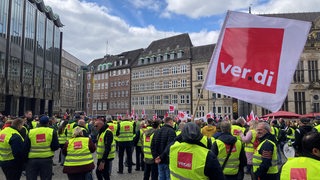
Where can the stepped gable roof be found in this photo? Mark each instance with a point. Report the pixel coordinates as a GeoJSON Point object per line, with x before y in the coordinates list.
{"type": "Point", "coordinates": [303, 16]}
{"type": "Point", "coordinates": [202, 53]}
{"type": "Point", "coordinates": [171, 43]}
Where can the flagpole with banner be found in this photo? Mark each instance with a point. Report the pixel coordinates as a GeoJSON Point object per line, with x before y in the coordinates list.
{"type": "Point", "coordinates": [249, 65]}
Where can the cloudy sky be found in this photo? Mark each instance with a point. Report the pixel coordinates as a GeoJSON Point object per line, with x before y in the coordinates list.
{"type": "Point", "coordinates": [94, 28]}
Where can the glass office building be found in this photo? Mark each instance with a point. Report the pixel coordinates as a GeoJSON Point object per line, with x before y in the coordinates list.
{"type": "Point", "coordinates": [30, 57]}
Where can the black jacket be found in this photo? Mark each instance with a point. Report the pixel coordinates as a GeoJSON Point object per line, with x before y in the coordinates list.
{"type": "Point", "coordinates": [299, 133]}
{"type": "Point", "coordinates": [161, 138]}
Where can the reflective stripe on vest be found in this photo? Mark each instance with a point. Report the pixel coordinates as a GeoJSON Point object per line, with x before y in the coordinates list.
{"type": "Point", "coordinates": [257, 159]}
{"type": "Point", "coordinates": [147, 146]}
{"type": "Point", "coordinates": [78, 152]}
{"type": "Point", "coordinates": [300, 168]}
{"type": "Point", "coordinates": [292, 135]}
{"type": "Point", "coordinates": [249, 146]}
{"type": "Point", "coordinates": [40, 139]}
{"type": "Point", "coordinates": [5, 147]}
{"type": "Point", "coordinates": [187, 161]}
{"type": "Point", "coordinates": [101, 146]}
{"type": "Point", "coordinates": [126, 131]}
{"type": "Point", "coordinates": [232, 165]}
{"type": "Point", "coordinates": [62, 138]}
{"type": "Point", "coordinates": [142, 131]}
{"type": "Point", "coordinates": [317, 128]}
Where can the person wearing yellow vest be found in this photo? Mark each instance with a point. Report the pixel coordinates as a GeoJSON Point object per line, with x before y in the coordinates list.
{"type": "Point", "coordinates": [40, 145]}
{"type": "Point", "coordinates": [249, 139]}
{"type": "Point", "coordinates": [138, 139]}
{"type": "Point", "coordinates": [306, 166]}
{"type": "Point", "coordinates": [238, 127]}
{"type": "Point", "coordinates": [304, 128]}
{"type": "Point", "coordinates": [30, 122]}
{"type": "Point", "coordinates": [190, 159]}
{"type": "Point", "coordinates": [11, 150]}
{"type": "Point", "coordinates": [228, 144]}
{"type": "Point", "coordinates": [265, 156]}
{"type": "Point", "coordinates": [62, 138]}
{"type": "Point", "coordinates": [125, 134]}
{"type": "Point", "coordinates": [82, 124]}
{"type": "Point", "coordinates": [72, 123]}
{"type": "Point", "coordinates": [149, 165]}
{"type": "Point", "coordinates": [316, 127]}
{"type": "Point", "coordinates": [106, 148]}
{"type": "Point", "coordinates": [79, 160]}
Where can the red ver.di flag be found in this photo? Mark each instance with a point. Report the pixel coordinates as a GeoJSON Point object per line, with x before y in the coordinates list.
{"type": "Point", "coordinates": [255, 58]}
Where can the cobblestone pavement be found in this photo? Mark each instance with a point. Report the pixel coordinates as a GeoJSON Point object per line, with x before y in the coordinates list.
{"type": "Point", "coordinates": [135, 175]}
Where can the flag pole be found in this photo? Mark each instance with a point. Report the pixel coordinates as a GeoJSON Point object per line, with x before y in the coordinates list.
{"type": "Point", "coordinates": [211, 61]}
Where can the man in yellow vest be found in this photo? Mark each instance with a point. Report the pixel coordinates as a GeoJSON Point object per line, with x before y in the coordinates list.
{"type": "Point", "coordinates": [190, 159]}
{"type": "Point", "coordinates": [230, 152]}
{"type": "Point", "coordinates": [265, 156]}
{"type": "Point", "coordinates": [238, 127]}
{"type": "Point", "coordinates": [125, 134]}
{"type": "Point", "coordinates": [106, 148]}
{"type": "Point", "coordinates": [40, 146]}
{"type": "Point", "coordinates": [11, 150]}
{"type": "Point", "coordinates": [306, 166]}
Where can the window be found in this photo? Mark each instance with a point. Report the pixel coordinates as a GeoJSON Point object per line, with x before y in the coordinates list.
{"type": "Point", "coordinates": [180, 53]}
{"type": "Point", "coordinates": [200, 112]}
{"type": "Point", "coordinates": [174, 99]}
{"type": "Point", "coordinates": [313, 71]}
{"type": "Point", "coordinates": [165, 99]}
{"type": "Point", "coordinates": [165, 71]}
{"type": "Point", "coordinates": [174, 70]}
{"type": "Point", "coordinates": [316, 107]}
{"type": "Point", "coordinates": [300, 102]}
{"type": "Point", "coordinates": [187, 99]}
{"type": "Point", "coordinates": [156, 72]}
{"type": "Point", "coordinates": [126, 61]}
{"type": "Point", "coordinates": [199, 94]}
{"type": "Point", "coordinates": [165, 84]}
{"type": "Point", "coordinates": [141, 102]}
{"type": "Point", "coordinates": [183, 68]}
{"type": "Point", "coordinates": [219, 109]}
{"type": "Point", "coordinates": [182, 99]}
{"type": "Point", "coordinates": [299, 73]}
{"type": "Point", "coordinates": [285, 105]}
{"type": "Point", "coordinates": [183, 83]}
{"type": "Point", "coordinates": [174, 83]}
{"type": "Point", "coordinates": [172, 55]}
{"type": "Point", "coordinates": [199, 75]}
{"type": "Point", "coordinates": [157, 99]}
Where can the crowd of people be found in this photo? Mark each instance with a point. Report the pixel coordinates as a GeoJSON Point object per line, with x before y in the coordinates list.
{"type": "Point", "coordinates": [164, 149]}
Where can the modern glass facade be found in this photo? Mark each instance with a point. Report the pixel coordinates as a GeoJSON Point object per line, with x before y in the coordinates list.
{"type": "Point", "coordinates": [30, 57]}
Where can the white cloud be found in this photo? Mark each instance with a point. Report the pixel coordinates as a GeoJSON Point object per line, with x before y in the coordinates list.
{"type": "Point", "coordinates": [148, 4]}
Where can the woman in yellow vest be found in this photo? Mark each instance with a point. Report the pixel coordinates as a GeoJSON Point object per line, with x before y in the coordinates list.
{"type": "Point", "coordinates": [79, 161]}
{"type": "Point", "coordinates": [306, 166]}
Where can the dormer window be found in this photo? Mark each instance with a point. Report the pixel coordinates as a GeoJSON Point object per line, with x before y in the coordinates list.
{"type": "Point", "coordinates": [166, 56]}
{"type": "Point", "coordinates": [115, 63]}
{"type": "Point", "coordinates": [120, 63]}
{"type": "Point", "coordinates": [159, 57]}
{"type": "Point", "coordinates": [172, 54]}
{"type": "Point", "coordinates": [180, 53]}
{"type": "Point", "coordinates": [126, 61]}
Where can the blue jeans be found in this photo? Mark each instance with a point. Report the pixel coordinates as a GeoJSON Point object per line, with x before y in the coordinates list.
{"type": "Point", "coordinates": [164, 172]}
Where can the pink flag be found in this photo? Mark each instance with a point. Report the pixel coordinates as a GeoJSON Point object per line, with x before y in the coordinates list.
{"type": "Point", "coordinates": [166, 115]}
{"type": "Point", "coordinates": [251, 117]}
{"type": "Point", "coordinates": [249, 65]}
{"type": "Point", "coordinates": [155, 116]}
{"type": "Point", "coordinates": [247, 118]}
{"type": "Point", "coordinates": [143, 113]}
{"type": "Point", "coordinates": [171, 108]}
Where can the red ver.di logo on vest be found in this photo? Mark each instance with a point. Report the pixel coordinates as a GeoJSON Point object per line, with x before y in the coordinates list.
{"type": "Point", "coordinates": [234, 149]}
{"type": "Point", "coordinates": [298, 173]}
{"type": "Point", "coordinates": [127, 128]}
{"type": "Point", "coordinates": [40, 138]}
{"type": "Point", "coordinates": [184, 160]}
{"type": "Point", "coordinates": [77, 145]}
{"type": "Point", "coordinates": [2, 137]}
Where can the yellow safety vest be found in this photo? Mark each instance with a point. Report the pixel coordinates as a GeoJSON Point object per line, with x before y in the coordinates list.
{"type": "Point", "coordinates": [257, 159]}
{"type": "Point", "coordinates": [34, 124]}
{"type": "Point", "coordinates": [204, 141]}
{"type": "Point", "coordinates": [78, 152]}
{"type": "Point", "coordinates": [292, 135]}
{"type": "Point", "coordinates": [62, 138]}
{"type": "Point", "coordinates": [187, 161]}
{"type": "Point", "coordinates": [101, 146]}
{"type": "Point", "coordinates": [147, 146]}
{"type": "Point", "coordinates": [317, 128]}
{"type": "Point", "coordinates": [232, 165]}
{"type": "Point", "coordinates": [126, 131]}
{"type": "Point", "coordinates": [69, 130]}
{"type": "Point", "coordinates": [142, 131]}
{"type": "Point", "coordinates": [249, 146]}
{"type": "Point", "coordinates": [40, 139]}
{"type": "Point", "coordinates": [235, 131]}
{"type": "Point", "coordinates": [5, 147]}
{"type": "Point", "coordinates": [301, 168]}
{"type": "Point", "coordinates": [113, 128]}
{"type": "Point", "coordinates": [275, 132]}
{"type": "Point", "coordinates": [178, 132]}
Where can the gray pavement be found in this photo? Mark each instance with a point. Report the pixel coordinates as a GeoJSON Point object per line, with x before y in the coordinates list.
{"type": "Point", "coordinates": [135, 175]}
